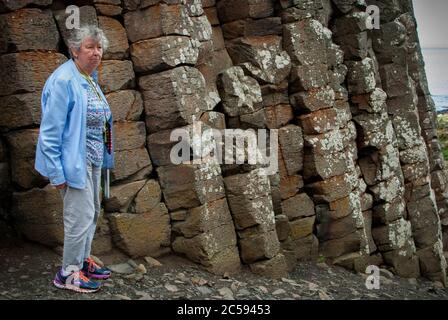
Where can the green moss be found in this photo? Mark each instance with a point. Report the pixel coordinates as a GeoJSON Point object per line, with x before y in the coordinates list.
{"type": "Point", "coordinates": [442, 132]}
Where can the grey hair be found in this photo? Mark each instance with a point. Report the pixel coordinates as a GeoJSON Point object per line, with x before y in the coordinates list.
{"type": "Point", "coordinates": [88, 31]}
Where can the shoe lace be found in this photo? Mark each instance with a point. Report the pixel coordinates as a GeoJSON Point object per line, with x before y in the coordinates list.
{"type": "Point", "coordinates": [92, 265]}
{"type": "Point", "coordinates": [81, 276]}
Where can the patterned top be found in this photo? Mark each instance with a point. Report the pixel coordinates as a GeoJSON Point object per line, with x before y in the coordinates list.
{"type": "Point", "coordinates": [97, 111]}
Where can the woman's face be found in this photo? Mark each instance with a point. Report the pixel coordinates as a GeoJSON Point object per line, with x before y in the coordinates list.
{"type": "Point", "coordinates": [89, 55]}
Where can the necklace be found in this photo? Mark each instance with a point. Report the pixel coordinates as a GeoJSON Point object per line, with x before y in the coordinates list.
{"type": "Point", "coordinates": [107, 134]}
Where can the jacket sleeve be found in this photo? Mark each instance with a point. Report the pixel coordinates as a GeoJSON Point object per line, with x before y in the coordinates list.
{"type": "Point", "coordinates": [55, 106]}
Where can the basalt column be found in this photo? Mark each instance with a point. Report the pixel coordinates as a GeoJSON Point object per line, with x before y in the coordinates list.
{"type": "Point", "coordinates": [317, 93]}
{"type": "Point", "coordinates": [169, 39]}
{"type": "Point", "coordinates": [390, 44]}
{"type": "Point", "coordinates": [377, 144]}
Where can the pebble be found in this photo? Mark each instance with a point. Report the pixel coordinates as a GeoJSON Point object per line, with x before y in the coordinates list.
{"type": "Point", "coordinates": [204, 290]}
{"type": "Point", "coordinates": [121, 297]}
{"type": "Point", "coordinates": [171, 288]}
{"type": "Point", "coordinates": [226, 293]}
{"type": "Point", "coordinates": [243, 292]}
{"type": "Point", "coordinates": [141, 269]}
{"type": "Point", "coordinates": [278, 291]}
{"type": "Point", "coordinates": [122, 268]}
{"type": "Point", "coordinates": [152, 262]}
{"type": "Point", "coordinates": [386, 273]}
{"type": "Point", "coordinates": [263, 289]}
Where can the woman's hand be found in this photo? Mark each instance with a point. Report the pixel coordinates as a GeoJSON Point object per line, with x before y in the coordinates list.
{"type": "Point", "coordinates": [61, 186]}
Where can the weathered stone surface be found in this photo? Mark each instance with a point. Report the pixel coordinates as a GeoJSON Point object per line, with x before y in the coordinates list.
{"type": "Point", "coordinates": [259, 247]}
{"type": "Point", "coordinates": [389, 212]}
{"type": "Point", "coordinates": [130, 162]}
{"type": "Point", "coordinates": [432, 262]}
{"type": "Point", "coordinates": [298, 206]}
{"type": "Point", "coordinates": [14, 5]}
{"type": "Point", "coordinates": [214, 119]}
{"type": "Point", "coordinates": [307, 77]}
{"type": "Point", "coordinates": [108, 10]}
{"type": "Point", "coordinates": [27, 71]}
{"type": "Point", "coordinates": [20, 110]}
{"type": "Point", "coordinates": [250, 28]}
{"type": "Point", "coordinates": [336, 229]}
{"type": "Point", "coordinates": [122, 195]}
{"type": "Point", "coordinates": [291, 146]}
{"type": "Point", "coordinates": [301, 228]}
{"type": "Point", "coordinates": [129, 135]}
{"type": "Point", "coordinates": [148, 197]}
{"type": "Point", "coordinates": [305, 249]}
{"type": "Point", "coordinates": [239, 93]}
{"type": "Point", "coordinates": [216, 249]}
{"type": "Point", "coordinates": [116, 75]}
{"type": "Point", "coordinates": [343, 207]}
{"type": "Point", "coordinates": [116, 34]}
{"type": "Point", "coordinates": [338, 247]}
{"type": "Point", "coordinates": [335, 188]}
{"type": "Point", "coordinates": [38, 215]}
{"type": "Point", "coordinates": [278, 116]}
{"type": "Point", "coordinates": [282, 227]}
{"type": "Point", "coordinates": [230, 10]}
{"type": "Point", "coordinates": [306, 42]}
{"type": "Point", "coordinates": [332, 141]}
{"type": "Point", "coordinates": [87, 16]}
{"type": "Point", "coordinates": [393, 236]}
{"type": "Point", "coordinates": [126, 105]}
{"type": "Point", "coordinates": [156, 21]}
{"type": "Point", "coordinates": [141, 234]}
{"type": "Point", "coordinates": [261, 57]}
{"type": "Point", "coordinates": [210, 69]}
{"type": "Point", "coordinates": [290, 185]}
{"type": "Point", "coordinates": [319, 121]}
{"type": "Point", "coordinates": [329, 165]}
{"type": "Point", "coordinates": [28, 29]}
{"type": "Point", "coordinates": [201, 30]}
{"type": "Point", "coordinates": [189, 186]}
{"type": "Point", "coordinates": [361, 77]}
{"type": "Point", "coordinates": [204, 218]}
{"type": "Point", "coordinates": [313, 100]}
{"type": "Point", "coordinates": [163, 53]}
{"type": "Point", "coordinates": [275, 267]}
{"type": "Point", "coordinates": [177, 100]}
{"type": "Point", "coordinates": [22, 146]}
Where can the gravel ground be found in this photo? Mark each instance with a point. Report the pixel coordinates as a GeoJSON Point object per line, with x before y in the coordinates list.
{"type": "Point", "coordinates": [28, 270]}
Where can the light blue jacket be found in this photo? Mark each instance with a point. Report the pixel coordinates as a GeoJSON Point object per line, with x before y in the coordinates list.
{"type": "Point", "coordinates": [61, 147]}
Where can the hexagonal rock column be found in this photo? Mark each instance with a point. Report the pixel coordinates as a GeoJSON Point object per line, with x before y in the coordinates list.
{"type": "Point", "coordinates": [203, 229]}
{"type": "Point", "coordinates": [391, 49]}
{"type": "Point", "coordinates": [174, 38]}
{"type": "Point", "coordinates": [252, 38]}
{"type": "Point", "coordinates": [379, 159]}
{"type": "Point", "coordinates": [26, 33]}
{"type": "Point", "coordinates": [330, 171]}
{"type": "Point", "coordinates": [428, 121]}
{"type": "Point", "coordinates": [251, 207]}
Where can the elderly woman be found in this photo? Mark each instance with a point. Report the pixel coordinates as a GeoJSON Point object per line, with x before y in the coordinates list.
{"type": "Point", "coordinates": [75, 142]}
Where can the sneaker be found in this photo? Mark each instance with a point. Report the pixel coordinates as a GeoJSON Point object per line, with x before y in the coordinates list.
{"type": "Point", "coordinates": [95, 271]}
{"type": "Point", "coordinates": [77, 281]}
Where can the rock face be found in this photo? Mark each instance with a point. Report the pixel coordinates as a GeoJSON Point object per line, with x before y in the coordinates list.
{"type": "Point", "coordinates": [351, 125]}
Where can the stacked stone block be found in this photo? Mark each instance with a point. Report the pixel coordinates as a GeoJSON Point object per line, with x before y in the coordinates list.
{"type": "Point", "coordinates": [390, 44]}
{"type": "Point", "coordinates": [360, 176]}
{"type": "Point", "coordinates": [330, 172]}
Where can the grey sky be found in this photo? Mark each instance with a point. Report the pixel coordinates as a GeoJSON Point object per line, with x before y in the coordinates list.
{"type": "Point", "coordinates": [432, 22]}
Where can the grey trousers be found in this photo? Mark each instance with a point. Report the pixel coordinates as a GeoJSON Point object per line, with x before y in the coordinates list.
{"type": "Point", "coordinates": [81, 212]}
